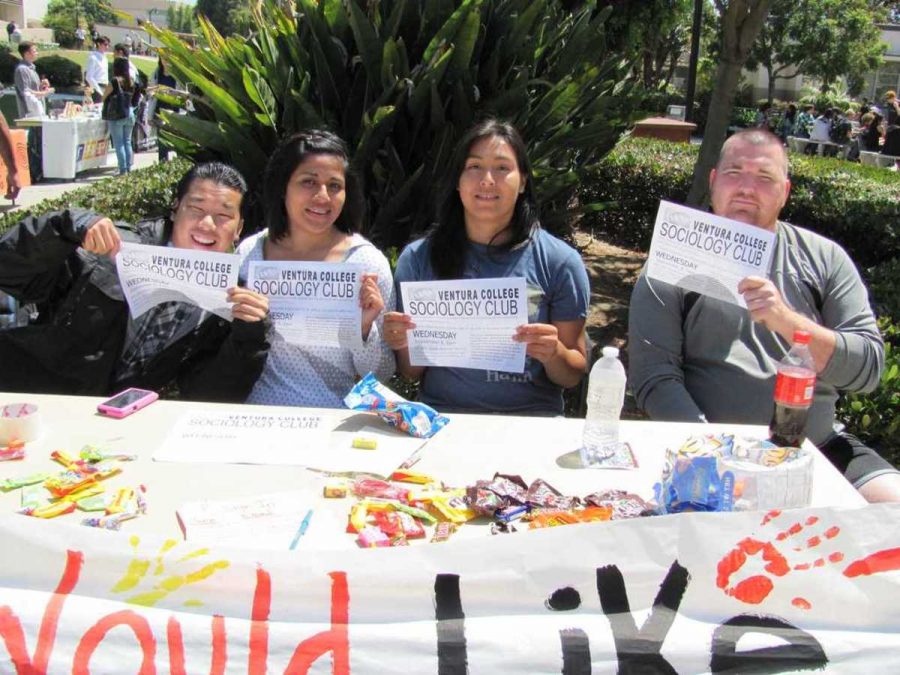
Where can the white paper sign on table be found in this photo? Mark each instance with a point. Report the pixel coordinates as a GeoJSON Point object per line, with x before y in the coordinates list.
{"type": "Point", "coordinates": [467, 323]}
{"type": "Point", "coordinates": [249, 437]}
{"type": "Point", "coordinates": [270, 521]}
{"type": "Point", "coordinates": [705, 253]}
{"type": "Point", "coordinates": [151, 275]}
{"type": "Point", "coordinates": [311, 303]}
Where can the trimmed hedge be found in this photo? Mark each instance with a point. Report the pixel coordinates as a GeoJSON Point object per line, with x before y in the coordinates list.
{"type": "Point", "coordinates": [856, 205]}
{"type": "Point", "coordinates": [873, 417]}
{"type": "Point", "coordinates": [60, 71]}
{"type": "Point", "coordinates": [140, 194]}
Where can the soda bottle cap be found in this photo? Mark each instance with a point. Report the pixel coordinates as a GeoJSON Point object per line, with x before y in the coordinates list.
{"type": "Point", "coordinates": [802, 337]}
{"type": "Point", "coordinates": [612, 352]}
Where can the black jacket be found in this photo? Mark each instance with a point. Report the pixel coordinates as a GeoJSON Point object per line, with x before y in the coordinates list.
{"type": "Point", "coordinates": [75, 345]}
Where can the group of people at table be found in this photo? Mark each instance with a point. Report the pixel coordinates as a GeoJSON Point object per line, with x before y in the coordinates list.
{"type": "Point", "coordinates": [692, 358]}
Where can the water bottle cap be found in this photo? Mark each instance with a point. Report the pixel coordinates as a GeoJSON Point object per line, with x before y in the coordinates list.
{"type": "Point", "coordinates": [802, 337]}
{"type": "Point", "coordinates": [612, 352]}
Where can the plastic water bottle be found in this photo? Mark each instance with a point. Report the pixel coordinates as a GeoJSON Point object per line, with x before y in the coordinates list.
{"type": "Point", "coordinates": [794, 389]}
{"type": "Point", "coordinates": [606, 394]}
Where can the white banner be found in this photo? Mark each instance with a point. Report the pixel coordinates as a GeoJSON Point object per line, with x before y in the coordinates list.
{"type": "Point", "coordinates": [312, 303]}
{"type": "Point", "coordinates": [802, 590]}
{"type": "Point", "coordinates": [466, 323]}
{"type": "Point", "coordinates": [151, 275]}
{"type": "Point", "coordinates": [707, 254]}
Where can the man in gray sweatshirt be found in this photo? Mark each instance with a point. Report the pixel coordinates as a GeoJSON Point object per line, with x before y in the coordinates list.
{"type": "Point", "coordinates": [694, 358]}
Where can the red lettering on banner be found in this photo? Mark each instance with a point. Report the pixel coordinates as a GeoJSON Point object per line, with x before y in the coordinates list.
{"type": "Point", "coordinates": [220, 646]}
{"type": "Point", "coordinates": [96, 633]}
{"type": "Point", "coordinates": [259, 624]}
{"type": "Point", "coordinates": [335, 640]}
{"type": "Point", "coordinates": [175, 641]}
{"type": "Point", "coordinates": [11, 628]}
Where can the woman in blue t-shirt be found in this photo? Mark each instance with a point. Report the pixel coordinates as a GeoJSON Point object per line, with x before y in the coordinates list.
{"type": "Point", "coordinates": [488, 227]}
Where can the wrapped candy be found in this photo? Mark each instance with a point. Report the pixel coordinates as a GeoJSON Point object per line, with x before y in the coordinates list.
{"type": "Point", "coordinates": [416, 419]}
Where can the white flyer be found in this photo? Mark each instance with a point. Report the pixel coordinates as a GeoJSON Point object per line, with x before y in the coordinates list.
{"type": "Point", "coordinates": [467, 323]}
{"type": "Point", "coordinates": [151, 275]}
{"type": "Point", "coordinates": [253, 436]}
{"type": "Point", "coordinates": [702, 252]}
{"type": "Point", "coordinates": [311, 303]}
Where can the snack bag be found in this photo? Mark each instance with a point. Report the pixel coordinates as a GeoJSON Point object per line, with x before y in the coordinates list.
{"type": "Point", "coordinates": [416, 419]}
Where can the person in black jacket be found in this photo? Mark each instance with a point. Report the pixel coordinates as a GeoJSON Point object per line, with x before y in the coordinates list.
{"type": "Point", "coordinates": [84, 340]}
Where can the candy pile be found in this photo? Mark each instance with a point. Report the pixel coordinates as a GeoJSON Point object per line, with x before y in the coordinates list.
{"type": "Point", "coordinates": [391, 513]}
{"type": "Point", "coordinates": [79, 486]}
{"type": "Point", "coordinates": [724, 473]}
{"type": "Point", "coordinates": [14, 450]}
{"type": "Point", "coordinates": [416, 419]}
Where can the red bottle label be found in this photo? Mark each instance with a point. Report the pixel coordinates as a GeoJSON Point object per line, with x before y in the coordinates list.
{"type": "Point", "coordinates": [792, 390]}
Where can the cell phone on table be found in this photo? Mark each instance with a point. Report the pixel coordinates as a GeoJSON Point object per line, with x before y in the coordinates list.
{"type": "Point", "coordinates": [126, 402]}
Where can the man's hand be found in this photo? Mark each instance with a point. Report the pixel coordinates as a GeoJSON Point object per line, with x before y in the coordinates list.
{"type": "Point", "coordinates": [541, 340]}
{"type": "Point", "coordinates": [248, 305]}
{"type": "Point", "coordinates": [371, 302]}
{"type": "Point", "coordinates": [766, 306]}
{"type": "Point", "coordinates": [102, 238]}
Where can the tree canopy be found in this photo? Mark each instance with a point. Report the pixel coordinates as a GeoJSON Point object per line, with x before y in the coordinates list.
{"type": "Point", "coordinates": [230, 17]}
{"type": "Point", "coordinates": [65, 13]}
{"type": "Point", "coordinates": [825, 39]}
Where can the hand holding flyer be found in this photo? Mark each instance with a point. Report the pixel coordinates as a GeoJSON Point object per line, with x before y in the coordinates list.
{"type": "Point", "coordinates": [312, 303]}
{"type": "Point", "coordinates": [705, 253]}
{"type": "Point", "coordinates": [151, 275]}
{"type": "Point", "coordinates": [466, 323]}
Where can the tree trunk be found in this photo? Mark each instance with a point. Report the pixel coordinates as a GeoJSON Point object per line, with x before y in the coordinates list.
{"type": "Point", "coordinates": [741, 22]}
{"type": "Point", "coordinates": [771, 73]}
{"type": "Point", "coordinates": [727, 77]}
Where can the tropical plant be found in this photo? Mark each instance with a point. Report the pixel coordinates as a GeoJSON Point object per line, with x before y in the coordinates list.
{"type": "Point", "coordinates": [400, 81]}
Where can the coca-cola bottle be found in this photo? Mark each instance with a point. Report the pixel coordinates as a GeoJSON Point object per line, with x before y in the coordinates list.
{"type": "Point", "coordinates": [794, 389]}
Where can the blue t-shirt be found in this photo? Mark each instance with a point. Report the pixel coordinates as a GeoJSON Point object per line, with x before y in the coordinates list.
{"type": "Point", "coordinates": [558, 290]}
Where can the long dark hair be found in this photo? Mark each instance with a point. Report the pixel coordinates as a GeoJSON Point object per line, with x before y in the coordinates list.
{"type": "Point", "coordinates": [287, 157]}
{"type": "Point", "coordinates": [122, 72]}
{"type": "Point", "coordinates": [448, 235]}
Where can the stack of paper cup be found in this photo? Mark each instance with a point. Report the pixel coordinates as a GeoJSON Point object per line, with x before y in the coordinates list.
{"type": "Point", "coordinates": [19, 422]}
{"type": "Point", "coordinates": [764, 485]}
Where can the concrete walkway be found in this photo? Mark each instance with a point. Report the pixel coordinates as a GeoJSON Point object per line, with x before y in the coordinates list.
{"type": "Point", "coordinates": [50, 189]}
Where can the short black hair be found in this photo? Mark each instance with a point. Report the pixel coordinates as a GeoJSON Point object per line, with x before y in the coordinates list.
{"type": "Point", "coordinates": [101, 40]}
{"type": "Point", "coordinates": [121, 47]}
{"type": "Point", "coordinates": [218, 172]}
{"type": "Point", "coordinates": [448, 235]}
{"type": "Point", "coordinates": [292, 152]}
{"type": "Point", "coordinates": [24, 47]}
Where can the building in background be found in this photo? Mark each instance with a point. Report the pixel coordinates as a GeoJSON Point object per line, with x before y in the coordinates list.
{"type": "Point", "coordinates": [24, 13]}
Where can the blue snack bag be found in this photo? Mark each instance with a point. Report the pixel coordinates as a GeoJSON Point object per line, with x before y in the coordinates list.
{"type": "Point", "coordinates": [416, 419]}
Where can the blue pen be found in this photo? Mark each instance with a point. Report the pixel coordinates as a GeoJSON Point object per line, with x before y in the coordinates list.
{"type": "Point", "coordinates": [301, 530]}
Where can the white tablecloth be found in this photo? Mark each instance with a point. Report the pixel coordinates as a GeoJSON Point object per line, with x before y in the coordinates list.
{"type": "Point", "coordinates": [73, 145]}
{"type": "Point", "coordinates": [471, 447]}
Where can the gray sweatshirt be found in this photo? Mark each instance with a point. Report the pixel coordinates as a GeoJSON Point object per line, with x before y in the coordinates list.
{"type": "Point", "coordinates": [692, 355]}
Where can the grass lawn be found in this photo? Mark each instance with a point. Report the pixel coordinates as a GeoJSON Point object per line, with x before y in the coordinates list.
{"type": "Point", "coordinates": [146, 64]}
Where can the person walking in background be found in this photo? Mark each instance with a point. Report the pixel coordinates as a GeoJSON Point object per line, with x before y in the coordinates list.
{"type": "Point", "coordinates": [79, 38]}
{"type": "Point", "coordinates": [787, 123]}
{"type": "Point", "coordinates": [804, 122]}
{"type": "Point", "coordinates": [119, 101]}
{"type": "Point", "coordinates": [870, 135]}
{"type": "Point", "coordinates": [96, 72]}
{"type": "Point", "coordinates": [161, 78]}
{"type": "Point", "coordinates": [891, 125]}
{"type": "Point", "coordinates": [10, 29]}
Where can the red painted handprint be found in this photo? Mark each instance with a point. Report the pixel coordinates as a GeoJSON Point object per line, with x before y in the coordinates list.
{"type": "Point", "coordinates": [800, 540]}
